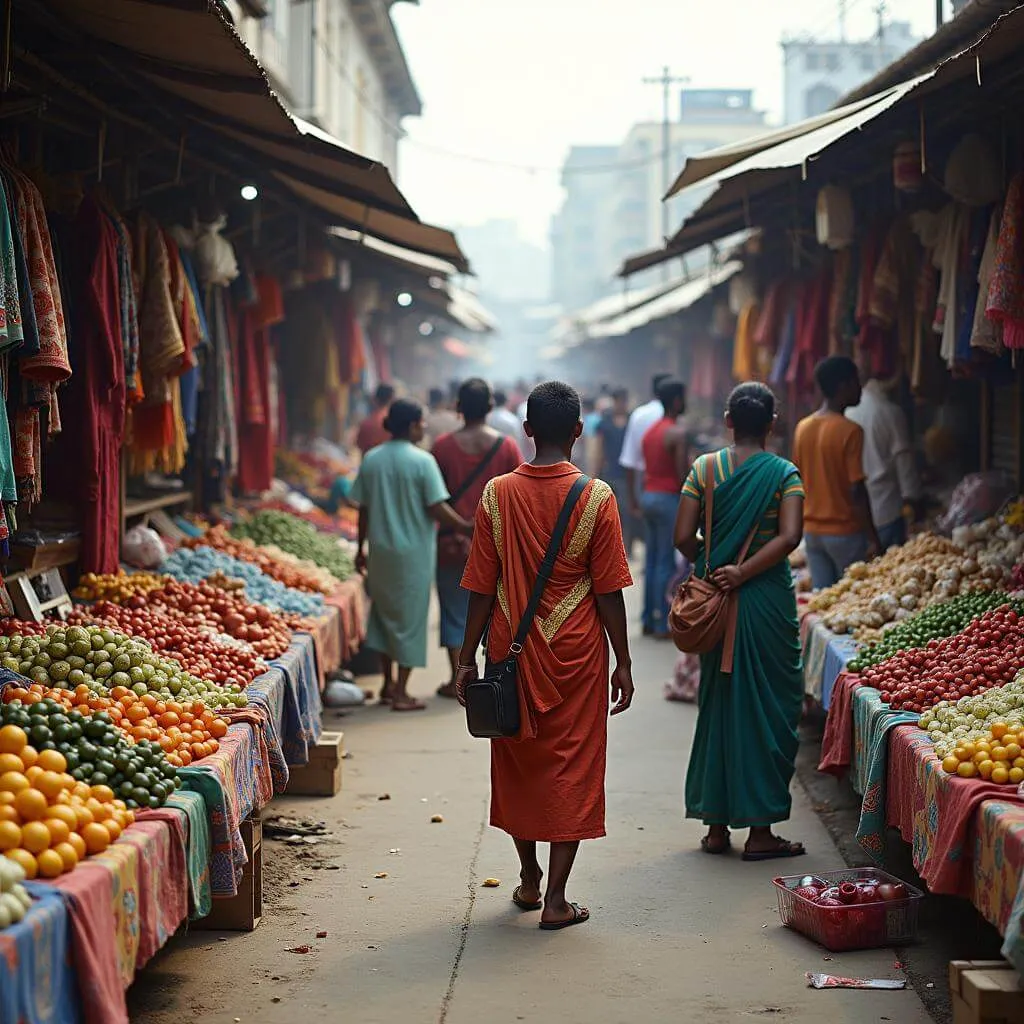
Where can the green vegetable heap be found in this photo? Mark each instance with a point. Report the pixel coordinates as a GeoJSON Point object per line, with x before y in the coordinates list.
{"type": "Point", "coordinates": [298, 538]}
{"type": "Point", "coordinates": [936, 621]}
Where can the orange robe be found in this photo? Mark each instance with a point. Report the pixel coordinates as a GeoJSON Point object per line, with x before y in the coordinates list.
{"type": "Point", "coordinates": [547, 784]}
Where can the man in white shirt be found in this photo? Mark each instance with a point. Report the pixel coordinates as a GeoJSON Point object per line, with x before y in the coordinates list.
{"type": "Point", "coordinates": [641, 419]}
{"type": "Point", "coordinates": [889, 465]}
{"type": "Point", "coordinates": [504, 420]}
{"type": "Point", "coordinates": [526, 446]}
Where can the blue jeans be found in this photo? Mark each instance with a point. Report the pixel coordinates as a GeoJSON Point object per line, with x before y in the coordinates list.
{"type": "Point", "coordinates": [893, 534]}
{"type": "Point", "coordinates": [659, 522]}
{"type": "Point", "coordinates": [829, 556]}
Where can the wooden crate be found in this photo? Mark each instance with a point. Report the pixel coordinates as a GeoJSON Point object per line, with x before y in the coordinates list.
{"type": "Point", "coordinates": [242, 912]}
{"type": "Point", "coordinates": [985, 992]}
{"type": "Point", "coordinates": [322, 775]}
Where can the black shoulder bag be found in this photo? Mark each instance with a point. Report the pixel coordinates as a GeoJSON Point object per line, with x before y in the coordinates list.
{"type": "Point", "coordinates": [492, 703]}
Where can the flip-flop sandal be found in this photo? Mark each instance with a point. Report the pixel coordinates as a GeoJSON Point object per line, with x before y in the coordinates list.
{"type": "Point", "coordinates": [580, 915]}
{"type": "Point", "coordinates": [522, 904]}
{"type": "Point", "coordinates": [716, 851]}
{"type": "Point", "coordinates": [409, 705]}
{"type": "Point", "coordinates": [448, 690]}
{"type": "Point", "coordinates": [783, 851]}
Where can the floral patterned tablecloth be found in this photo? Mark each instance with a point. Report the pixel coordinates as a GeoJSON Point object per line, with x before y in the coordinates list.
{"type": "Point", "coordinates": [37, 981]}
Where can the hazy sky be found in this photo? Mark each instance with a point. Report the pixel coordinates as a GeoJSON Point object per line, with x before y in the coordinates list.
{"type": "Point", "coordinates": [519, 82]}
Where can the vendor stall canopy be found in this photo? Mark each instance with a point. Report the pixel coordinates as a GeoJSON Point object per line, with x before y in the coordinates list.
{"type": "Point", "coordinates": [768, 181]}
{"type": "Point", "coordinates": [181, 64]}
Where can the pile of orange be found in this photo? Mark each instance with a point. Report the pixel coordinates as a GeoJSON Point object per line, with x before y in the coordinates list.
{"type": "Point", "coordinates": [185, 731]}
{"type": "Point", "coordinates": [48, 821]}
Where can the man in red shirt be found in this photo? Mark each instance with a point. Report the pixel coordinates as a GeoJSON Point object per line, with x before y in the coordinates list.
{"type": "Point", "coordinates": [371, 430]}
{"type": "Point", "coordinates": [665, 468]}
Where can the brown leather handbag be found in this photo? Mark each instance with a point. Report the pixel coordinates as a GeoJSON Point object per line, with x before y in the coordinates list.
{"type": "Point", "coordinates": [702, 616]}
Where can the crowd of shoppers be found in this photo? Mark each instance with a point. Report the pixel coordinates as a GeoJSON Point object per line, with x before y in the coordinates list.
{"type": "Point", "coordinates": [474, 516]}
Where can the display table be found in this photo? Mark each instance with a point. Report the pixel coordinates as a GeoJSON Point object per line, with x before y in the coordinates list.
{"type": "Point", "coordinates": [966, 835]}
{"type": "Point", "coordinates": [352, 603]}
{"type": "Point", "coordinates": [825, 657]}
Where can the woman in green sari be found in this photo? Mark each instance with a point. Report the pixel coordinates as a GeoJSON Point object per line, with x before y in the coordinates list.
{"type": "Point", "coordinates": [745, 745]}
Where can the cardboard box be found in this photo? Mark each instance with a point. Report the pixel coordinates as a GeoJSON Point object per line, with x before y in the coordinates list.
{"type": "Point", "coordinates": [242, 912]}
{"type": "Point", "coordinates": [322, 775]}
{"type": "Point", "coordinates": [986, 992]}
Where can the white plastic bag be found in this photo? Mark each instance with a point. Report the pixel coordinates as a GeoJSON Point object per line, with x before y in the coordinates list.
{"type": "Point", "coordinates": [143, 548]}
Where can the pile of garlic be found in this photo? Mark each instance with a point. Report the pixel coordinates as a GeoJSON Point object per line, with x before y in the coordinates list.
{"type": "Point", "coordinates": [907, 579]}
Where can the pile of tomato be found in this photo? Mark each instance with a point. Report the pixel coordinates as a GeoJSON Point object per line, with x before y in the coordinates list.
{"type": "Point", "coordinates": [216, 659]}
{"type": "Point", "coordinates": [987, 653]}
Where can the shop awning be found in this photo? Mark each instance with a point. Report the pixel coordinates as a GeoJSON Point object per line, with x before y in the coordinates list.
{"type": "Point", "coordinates": [406, 259]}
{"type": "Point", "coordinates": [675, 301]}
{"type": "Point", "coordinates": [466, 309]}
{"type": "Point", "coordinates": [735, 187]}
{"type": "Point", "coordinates": [388, 227]}
{"type": "Point", "coordinates": [570, 329]}
{"type": "Point", "coordinates": [700, 168]}
{"type": "Point", "coordinates": [188, 48]}
{"type": "Point", "coordinates": [317, 158]}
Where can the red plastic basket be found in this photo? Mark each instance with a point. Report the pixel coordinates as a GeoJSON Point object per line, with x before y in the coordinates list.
{"type": "Point", "coordinates": [860, 926]}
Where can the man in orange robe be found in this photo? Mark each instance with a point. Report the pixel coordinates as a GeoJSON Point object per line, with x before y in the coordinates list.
{"type": "Point", "coordinates": [547, 784]}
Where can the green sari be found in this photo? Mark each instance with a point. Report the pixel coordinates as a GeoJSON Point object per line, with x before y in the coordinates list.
{"type": "Point", "coordinates": [745, 745]}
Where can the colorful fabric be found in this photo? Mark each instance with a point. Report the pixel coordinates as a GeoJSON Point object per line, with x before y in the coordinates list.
{"type": "Point", "coordinates": [547, 784]}
{"type": "Point", "coordinates": [37, 979]}
{"type": "Point", "coordinates": [191, 807]}
{"type": "Point", "coordinates": [1005, 300]}
{"type": "Point", "coordinates": [999, 874]}
{"type": "Point", "coordinates": [88, 893]}
{"type": "Point", "coordinates": [227, 851]}
{"type": "Point", "coordinates": [837, 743]}
{"type": "Point", "coordinates": [350, 600]}
{"type": "Point", "coordinates": [758, 704]}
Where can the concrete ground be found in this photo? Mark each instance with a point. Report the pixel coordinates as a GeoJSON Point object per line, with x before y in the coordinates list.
{"type": "Point", "coordinates": [675, 935]}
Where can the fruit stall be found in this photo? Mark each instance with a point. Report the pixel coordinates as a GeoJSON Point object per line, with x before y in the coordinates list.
{"type": "Point", "coordinates": [139, 739]}
{"type": "Point", "coordinates": [919, 658]}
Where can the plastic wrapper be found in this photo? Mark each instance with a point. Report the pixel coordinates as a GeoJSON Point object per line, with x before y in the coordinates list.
{"type": "Point", "coordinates": [143, 548]}
{"type": "Point", "coordinates": [977, 497]}
{"type": "Point", "coordinates": [834, 981]}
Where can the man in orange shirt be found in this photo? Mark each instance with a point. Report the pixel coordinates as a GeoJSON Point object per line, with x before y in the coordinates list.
{"type": "Point", "coordinates": [371, 430]}
{"type": "Point", "coordinates": [828, 451]}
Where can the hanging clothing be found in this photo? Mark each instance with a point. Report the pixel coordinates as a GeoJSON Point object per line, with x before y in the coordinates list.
{"type": "Point", "coordinates": [744, 359]}
{"type": "Point", "coordinates": [891, 301]}
{"type": "Point", "coordinates": [11, 326]}
{"type": "Point", "coordinates": [1005, 302]}
{"type": "Point", "coordinates": [547, 784]}
{"type": "Point", "coordinates": [968, 271]}
{"type": "Point", "coordinates": [96, 396]}
{"type": "Point", "coordinates": [987, 334]}
{"type": "Point", "coordinates": [758, 704]}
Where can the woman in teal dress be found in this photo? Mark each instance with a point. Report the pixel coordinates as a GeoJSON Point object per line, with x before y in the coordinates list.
{"type": "Point", "coordinates": [401, 495]}
{"type": "Point", "coordinates": [745, 746]}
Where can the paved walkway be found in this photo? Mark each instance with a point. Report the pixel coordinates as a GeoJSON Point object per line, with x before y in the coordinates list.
{"type": "Point", "coordinates": [676, 935]}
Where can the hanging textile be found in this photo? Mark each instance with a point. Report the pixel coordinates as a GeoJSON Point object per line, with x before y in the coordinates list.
{"type": "Point", "coordinates": [1005, 304]}
{"type": "Point", "coordinates": [743, 356]}
{"type": "Point", "coordinates": [987, 334]}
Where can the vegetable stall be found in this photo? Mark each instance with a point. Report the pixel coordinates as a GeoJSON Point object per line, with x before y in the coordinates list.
{"type": "Point", "coordinates": [919, 658]}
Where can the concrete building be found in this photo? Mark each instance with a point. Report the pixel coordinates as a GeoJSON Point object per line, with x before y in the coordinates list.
{"type": "Point", "coordinates": [338, 63]}
{"type": "Point", "coordinates": [816, 73]}
{"type": "Point", "coordinates": [708, 118]}
{"type": "Point", "coordinates": [582, 255]}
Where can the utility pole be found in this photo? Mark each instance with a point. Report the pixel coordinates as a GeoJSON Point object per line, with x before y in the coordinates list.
{"type": "Point", "coordinates": [666, 80]}
{"type": "Point", "coordinates": [938, 14]}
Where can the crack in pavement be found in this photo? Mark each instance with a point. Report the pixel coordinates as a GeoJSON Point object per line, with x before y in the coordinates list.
{"type": "Point", "coordinates": [446, 1001]}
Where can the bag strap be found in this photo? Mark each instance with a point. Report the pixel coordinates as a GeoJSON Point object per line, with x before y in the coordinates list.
{"type": "Point", "coordinates": [709, 504]}
{"type": "Point", "coordinates": [474, 474]}
{"type": "Point", "coordinates": [544, 573]}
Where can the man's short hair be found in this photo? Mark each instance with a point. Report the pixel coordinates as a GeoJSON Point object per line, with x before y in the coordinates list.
{"type": "Point", "coordinates": [385, 394]}
{"type": "Point", "coordinates": [475, 398]}
{"type": "Point", "coordinates": [657, 380]}
{"type": "Point", "coordinates": [833, 372]}
{"type": "Point", "coordinates": [553, 411]}
{"type": "Point", "coordinates": [435, 397]}
{"type": "Point", "coordinates": [500, 398]}
{"type": "Point", "coordinates": [671, 391]}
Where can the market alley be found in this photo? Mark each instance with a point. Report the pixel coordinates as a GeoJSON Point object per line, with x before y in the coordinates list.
{"type": "Point", "coordinates": [675, 936]}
